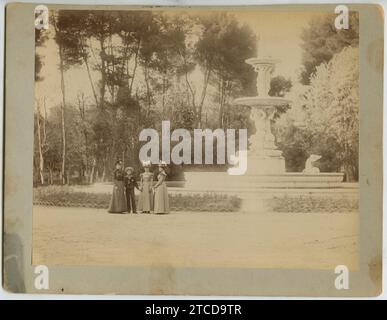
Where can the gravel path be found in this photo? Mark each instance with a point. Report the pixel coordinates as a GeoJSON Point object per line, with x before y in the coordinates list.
{"type": "Point", "coordinates": [82, 236]}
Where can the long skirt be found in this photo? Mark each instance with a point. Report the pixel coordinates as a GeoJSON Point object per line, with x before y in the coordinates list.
{"type": "Point", "coordinates": [145, 200]}
{"type": "Point", "coordinates": [118, 200]}
{"type": "Point", "coordinates": [161, 199]}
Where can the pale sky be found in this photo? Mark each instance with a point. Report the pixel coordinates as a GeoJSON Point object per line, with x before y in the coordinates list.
{"type": "Point", "coordinates": [279, 33]}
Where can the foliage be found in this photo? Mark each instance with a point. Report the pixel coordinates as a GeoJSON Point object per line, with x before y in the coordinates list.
{"type": "Point", "coordinates": [324, 118]}
{"type": "Point", "coordinates": [222, 51]}
{"type": "Point", "coordinates": [67, 197]}
{"type": "Point", "coordinates": [332, 110]}
{"type": "Point", "coordinates": [279, 87]}
{"type": "Point", "coordinates": [40, 38]}
{"type": "Point", "coordinates": [321, 40]}
{"type": "Point", "coordinates": [141, 66]}
{"type": "Point", "coordinates": [317, 204]}
{"type": "Point", "coordinates": [294, 143]}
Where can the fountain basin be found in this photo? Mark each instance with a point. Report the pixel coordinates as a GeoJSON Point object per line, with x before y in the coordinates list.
{"type": "Point", "coordinates": [262, 61]}
{"type": "Point", "coordinates": [222, 181]}
{"type": "Point", "coordinates": [261, 101]}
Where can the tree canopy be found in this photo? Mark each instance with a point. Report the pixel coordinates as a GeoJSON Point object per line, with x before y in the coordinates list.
{"type": "Point", "coordinates": [142, 67]}
{"type": "Point", "coordinates": [321, 40]}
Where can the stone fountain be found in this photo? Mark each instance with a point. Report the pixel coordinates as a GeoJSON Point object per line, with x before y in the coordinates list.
{"type": "Point", "coordinates": [265, 163]}
{"type": "Point", "coordinates": [263, 155]}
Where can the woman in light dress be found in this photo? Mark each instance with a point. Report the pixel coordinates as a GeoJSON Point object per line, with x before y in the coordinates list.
{"type": "Point", "coordinates": [161, 191]}
{"type": "Point", "coordinates": [145, 201]}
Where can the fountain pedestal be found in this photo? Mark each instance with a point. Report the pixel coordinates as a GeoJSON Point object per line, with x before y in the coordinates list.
{"type": "Point", "coordinates": [263, 155]}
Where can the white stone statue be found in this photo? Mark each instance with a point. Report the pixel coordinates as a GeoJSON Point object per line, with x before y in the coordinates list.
{"type": "Point", "coordinates": [309, 168]}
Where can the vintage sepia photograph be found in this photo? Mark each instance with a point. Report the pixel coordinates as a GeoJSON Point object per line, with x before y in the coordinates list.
{"type": "Point", "coordinates": [196, 138]}
{"type": "Point", "coordinates": [190, 151]}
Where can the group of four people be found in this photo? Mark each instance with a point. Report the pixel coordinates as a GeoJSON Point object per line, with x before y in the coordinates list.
{"type": "Point", "coordinates": [153, 198]}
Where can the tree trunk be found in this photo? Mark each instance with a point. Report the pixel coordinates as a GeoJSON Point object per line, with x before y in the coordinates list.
{"type": "Point", "coordinates": [134, 68]}
{"type": "Point", "coordinates": [62, 172]}
{"type": "Point", "coordinates": [51, 176]}
{"type": "Point", "coordinates": [221, 96]}
{"type": "Point", "coordinates": [112, 63]}
{"type": "Point", "coordinates": [203, 96]}
{"type": "Point", "coordinates": [163, 96]}
{"type": "Point", "coordinates": [41, 158]}
{"type": "Point", "coordinates": [91, 81]}
{"type": "Point", "coordinates": [104, 172]}
{"type": "Point", "coordinates": [63, 119]}
{"type": "Point", "coordinates": [63, 105]}
{"type": "Point", "coordinates": [148, 92]}
{"type": "Point", "coordinates": [82, 114]}
{"type": "Point", "coordinates": [44, 144]}
{"type": "Point", "coordinates": [223, 89]}
{"type": "Point", "coordinates": [103, 74]}
{"type": "Point", "coordinates": [92, 172]}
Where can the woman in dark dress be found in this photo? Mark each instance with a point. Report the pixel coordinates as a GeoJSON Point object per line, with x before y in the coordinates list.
{"type": "Point", "coordinates": [118, 201]}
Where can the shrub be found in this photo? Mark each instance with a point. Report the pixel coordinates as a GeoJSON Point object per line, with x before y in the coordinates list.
{"type": "Point", "coordinates": [313, 204]}
{"type": "Point", "coordinates": [66, 197]}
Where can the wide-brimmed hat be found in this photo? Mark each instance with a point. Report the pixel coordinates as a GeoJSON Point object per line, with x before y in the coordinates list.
{"type": "Point", "coordinates": [162, 164]}
{"type": "Point", "coordinates": [129, 168]}
{"type": "Point", "coordinates": [146, 164]}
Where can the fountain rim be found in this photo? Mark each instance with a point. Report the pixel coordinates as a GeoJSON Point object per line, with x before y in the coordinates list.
{"type": "Point", "coordinates": [259, 101]}
{"type": "Point", "coordinates": [262, 60]}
